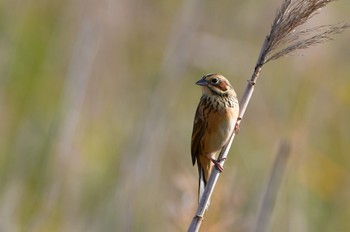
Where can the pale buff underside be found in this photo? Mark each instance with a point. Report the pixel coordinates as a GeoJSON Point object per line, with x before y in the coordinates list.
{"type": "Point", "coordinates": [220, 126]}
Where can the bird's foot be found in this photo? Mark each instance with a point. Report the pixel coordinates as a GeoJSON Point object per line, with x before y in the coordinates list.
{"type": "Point", "coordinates": [217, 163]}
{"type": "Point", "coordinates": [237, 126]}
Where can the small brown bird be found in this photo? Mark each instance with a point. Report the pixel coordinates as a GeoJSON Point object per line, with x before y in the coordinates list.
{"type": "Point", "coordinates": [214, 122]}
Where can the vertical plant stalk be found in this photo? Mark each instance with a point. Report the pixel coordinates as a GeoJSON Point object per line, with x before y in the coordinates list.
{"type": "Point", "coordinates": [272, 187]}
{"type": "Point", "coordinates": [284, 38]}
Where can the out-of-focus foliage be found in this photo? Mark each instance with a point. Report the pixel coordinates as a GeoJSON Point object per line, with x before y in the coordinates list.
{"type": "Point", "coordinates": [97, 100]}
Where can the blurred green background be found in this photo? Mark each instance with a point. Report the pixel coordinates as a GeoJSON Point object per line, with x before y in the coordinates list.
{"type": "Point", "coordinates": [97, 100]}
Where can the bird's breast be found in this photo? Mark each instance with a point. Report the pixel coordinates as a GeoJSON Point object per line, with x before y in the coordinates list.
{"type": "Point", "coordinates": [220, 126]}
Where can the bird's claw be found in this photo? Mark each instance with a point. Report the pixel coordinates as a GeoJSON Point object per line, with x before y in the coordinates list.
{"type": "Point", "coordinates": [217, 164]}
{"type": "Point", "coordinates": [236, 128]}
{"type": "Point", "coordinates": [237, 125]}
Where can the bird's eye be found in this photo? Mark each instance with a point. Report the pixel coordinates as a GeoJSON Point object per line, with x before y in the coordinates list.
{"type": "Point", "coordinates": [215, 81]}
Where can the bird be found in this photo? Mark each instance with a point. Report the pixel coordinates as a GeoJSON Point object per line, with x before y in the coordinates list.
{"type": "Point", "coordinates": [214, 123]}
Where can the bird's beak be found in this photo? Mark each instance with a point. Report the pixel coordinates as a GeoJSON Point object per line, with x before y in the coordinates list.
{"type": "Point", "coordinates": [202, 82]}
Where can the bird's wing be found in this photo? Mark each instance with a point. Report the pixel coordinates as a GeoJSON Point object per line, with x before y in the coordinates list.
{"type": "Point", "coordinates": [197, 133]}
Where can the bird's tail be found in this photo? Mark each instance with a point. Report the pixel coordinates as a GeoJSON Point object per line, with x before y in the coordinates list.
{"type": "Point", "coordinates": [202, 182]}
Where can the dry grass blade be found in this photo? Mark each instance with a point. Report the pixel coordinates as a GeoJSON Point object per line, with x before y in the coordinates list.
{"type": "Point", "coordinates": [284, 36]}
{"type": "Point", "coordinates": [272, 188]}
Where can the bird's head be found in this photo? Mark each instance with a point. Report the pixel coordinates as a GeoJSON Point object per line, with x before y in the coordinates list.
{"type": "Point", "coordinates": [215, 84]}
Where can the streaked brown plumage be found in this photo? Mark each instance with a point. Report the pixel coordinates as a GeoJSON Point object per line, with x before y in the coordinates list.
{"type": "Point", "coordinates": [214, 122]}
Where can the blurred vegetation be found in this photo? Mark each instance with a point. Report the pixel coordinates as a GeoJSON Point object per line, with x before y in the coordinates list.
{"type": "Point", "coordinates": [97, 100]}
